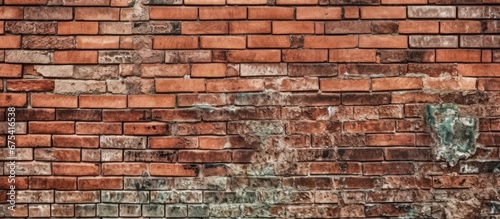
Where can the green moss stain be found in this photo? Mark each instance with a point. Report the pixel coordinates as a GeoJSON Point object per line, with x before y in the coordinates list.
{"type": "Point", "coordinates": [455, 136]}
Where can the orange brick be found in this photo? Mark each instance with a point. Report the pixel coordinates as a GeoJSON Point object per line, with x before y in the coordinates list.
{"type": "Point", "coordinates": [326, 42]}
{"type": "Point", "coordinates": [378, 41]}
{"type": "Point", "coordinates": [100, 183]}
{"type": "Point", "coordinates": [173, 13]}
{"type": "Point", "coordinates": [179, 85]}
{"type": "Point", "coordinates": [151, 101]}
{"type": "Point", "coordinates": [339, 85]}
{"type": "Point", "coordinates": [25, 2]}
{"type": "Point", "coordinates": [486, 56]}
{"type": "Point", "coordinates": [401, 139]}
{"type": "Point", "coordinates": [296, 2]}
{"type": "Point", "coordinates": [124, 169]}
{"type": "Point", "coordinates": [98, 128]}
{"type": "Point", "coordinates": [204, 2]}
{"type": "Point", "coordinates": [235, 85]}
{"type": "Point", "coordinates": [73, 28]}
{"type": "Point", "coordinates": [246, 2]}
{"type": "Point", "coordinates": [204, 27]}
{"type": "Point", "coordinates": [352, 55]}
{"type": "Point", "coordinates": [319, 13]}
{"type": "Point", "coordinates": [458, 55]}
{"type": "Point", "coordinates": [223, 42]}
{"type": "Point", "coordinates": [381, 12]}
{"type": "Point", "coordinates": [52, 127]}
{"type": "Point", "coordinates": [75, 169]}
{"type": "Point", "coordinates": [450, 83]}
{"type": "Point", "coordinates": [271, 13]}
{"type": "Point", "coordinates": [149, 128]}
{"type": "Point", "coordinates": [11, 13]}
{"type": "Point", "coordinates": [10, 42]}
{"type": "Point", "coordinates": [75, 141]}
{"type": "Point", "coordinates": [163, 169]}
{"type": "Point", "coordinates": [101, 101]}
{"type": "Point", "coordinates": [305, 55]}
{"type": "Point", "coordinates": [87, 2]}
{"type": "Point", "coordinates": [12, 99]}
{"type": "Point", "coordinates": [293, 27]}
{"type": "Point", "coordinates": [400, 2]}
{"type": "Point", "coordinates": [175, 42]}
{"type": "Point", "coordinates": [418, 26]}
{"type": "Point", "coordinates": [97, 42]}
{"type": "Point", "coordinates": [254, 56]}
{"type": "Point", "coordinates": [263, 41]}
{"type": "Point", "coordinates": [75, 57]}
{"type": "Point", "coordinates": [351, 12]}
{"type": "Point", "coordinates": [380, 84]}
{"type": "Point", "coordinates": [97, 14]}
{"type": "Point", "coordinates": [249, 27]}
{"type": "Point", "coordinates": [478, 70]}
{"type": "Point", "coordinates": [11, 70]}
{"type": "Point", "coordinates": [208, 70]}
{"type": "Point", "coordinates": [223, 13]}
{"type": "Point", "coordinates": [460, 26]}
{"type": "Point", "coordinates": [54, 100]}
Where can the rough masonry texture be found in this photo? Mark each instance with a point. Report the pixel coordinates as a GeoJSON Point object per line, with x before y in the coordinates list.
{"type": "Point", "coordinates": [251, 108]}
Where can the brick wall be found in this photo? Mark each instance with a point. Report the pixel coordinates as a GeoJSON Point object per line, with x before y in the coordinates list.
{"type": "Point", "coordinates": [252, 108]}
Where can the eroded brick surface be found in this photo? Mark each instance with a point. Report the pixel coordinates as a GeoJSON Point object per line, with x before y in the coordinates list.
{"type": "Point", "coordinates": [251, 108]}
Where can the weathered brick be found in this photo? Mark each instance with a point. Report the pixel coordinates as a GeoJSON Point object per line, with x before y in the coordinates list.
{"type": "Point", "coordinates": [48, 13]}
{"type": "Point", "coordinates": [433, 41]}
{"type": "Point", "coordinates": [432, 12]}
{"type": "Point", "coordinates": [28, 56]}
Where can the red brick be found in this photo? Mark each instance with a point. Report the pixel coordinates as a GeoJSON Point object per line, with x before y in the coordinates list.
{"type": "Point", "coordinates": [489, 84]}
{"type": "Point", "coordinates": [100, 101]}
{"type": "Point", "coordinates": [97, 128]}
{"type": "Point", "coordinates": [57, 154]}
{"type": "Point", "coordinates": [208, 70]}
{"type": "Point", "coordinates": [296, 2]}
{"type": "Point", "coordinates": [405, 154]}
{"type": "Point", "coordinates": [52, 127]}
{"type": "Point", "coordinates": [59, 183]}
{"type": "Point", "coordinates": [450, 83]}
{"type": "Point", "coordinates": [10, 42]}
{"type": "Point", "coordinates": [100, 183]}
{"type": "Point", "coordinates": [235, 85]}
{"type": "Point", "coordinates": [378, 41]}
{"type": "Point", "coordinates": [151, 128]}
{"type": "Point", "coordinates": [30, 85]}
{"type": "Point", "coordinates": [97, 14]}
{"type": "Point", "coordinates": [398, 83]}
{"type": "Point", "coordinates": [479, 70]}
{"type": "Point", "coordinates": [460, 27]}
{"type": "Point", "coordinates": [163, 169]}
{"type": "Point", "coordinates": [249, 27]}
{"type": "Point", "coordinates": [351, 12]}
{"type": "Point", "coordinates": [126, 115]}
{"type": "Point", "coordinates": [458, 55]}
{"type": "Point", "coordinates": [390, 139]}
{"type": "Point", "coordinates": [75, 57]}
{"type": "Point", "coordinates": [340, 85]}
{"type": "Point", "coordinates": [352, 55]}
{"type": "Point", "coordinates": [254, 56]}
{"type": "Point", "coordinates": [179, 85]}
{"type": "Point", "coordinates": [206, 27]}
{"type": "Point", "coordinates": [381, 12]}
{"type": "Point", "coordinates": [54, 100]}
{"type": "Point", "coordinates": [173, 13]}
{"type": "Point", "coordinates": [419, 26]}
{"type": "Point", "coordinates": [124, 169]}
{"type": "Point", "coordinates": [319, 13]}
{"type": "Point", "coordinates": [73, 28]}
{"type": "Point", "coordinates": [369, 126]}
{"type": "Point", "coordinates": [223, 13]}
{"type": "Point", "coordinates": [151, 101]}
{"type": "Point", "coordinates": [388, 169]}
{"type": "Point", "coordinates": [293, 27]}
{"type": "Point", "coordinates": [326, 42]}
{"type": "Point", "coordinates": [11, 12]}
{"type": "Point", "coordinates": [204, 156]}
{"type": "Point", "coordinates": [173, 142]}
{"type": "Point", "coordinates": [486, 56]}
{"type": "Point", "coordinates": [175, 42]}
{"type": "Point", "coordinates": [266, 41]}
{"type": "Point", "coordinates": [246, 2]}
{"type": "Point", "coordinates": [25, 2]}
{"type": "Point", "coordinates": [11, 70]}
{"type": "Point", "coordinates": [305, 55]}
{"type": "Point", "coordinates": [21, 183]}
{"type": "Point", "coordinates": [204, 2]}
{"type": "Point", "coordinates": [223, 42]}
{"type": "Point", "coordinates": [345, 27]}
{"type": "Point", "coordinates": [97, 42]}
{"type": "Point", "coordinates": [75, 169]}
{"type": "Point", "coordinates": [399, 2]}
{"type": "Point", "coordinates": [271, 13]}
{"type": "Point", "coordinates": [33, 141]}
{"type": "Point", "coordinates": [70, 141]}
{"type": "Point", "coordinates": [454, 181]}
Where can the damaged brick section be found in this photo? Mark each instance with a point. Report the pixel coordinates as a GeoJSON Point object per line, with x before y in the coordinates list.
{"type": "Point", "coordinates": [455, 135]}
